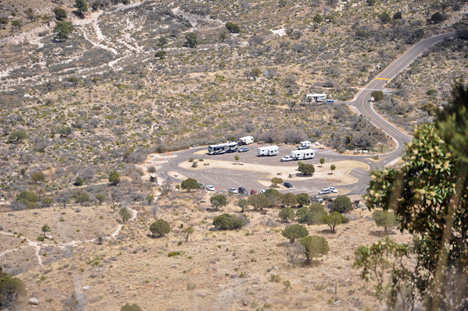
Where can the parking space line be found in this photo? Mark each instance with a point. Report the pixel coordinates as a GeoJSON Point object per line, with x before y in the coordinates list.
{"type": "Point", "coordinates": [234, 181]}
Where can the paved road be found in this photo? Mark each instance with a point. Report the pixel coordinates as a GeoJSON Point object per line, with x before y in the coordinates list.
{"type": "Point", "coordinates": [226, 177]}
{"type": "Point", "coordinates": [364, 107]}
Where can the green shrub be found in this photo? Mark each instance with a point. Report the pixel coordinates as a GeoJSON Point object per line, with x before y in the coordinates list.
{"type": "Point", "coordinates": [173, 254]}
{"type": "Point", "coordinates": [341, 204]}
{"type": "Point", "coordinates": [232, 28]}
{"type": "Point", "coordinates": [286, 214]}
{"type": "Point", "coordinates": [229, 222]}
{"type": "Point", "coordinates": [294, 232]}
{"type": "Point", "coordinates": [160, 227]}
{"type": "Point", "coordinates": [314, 246]}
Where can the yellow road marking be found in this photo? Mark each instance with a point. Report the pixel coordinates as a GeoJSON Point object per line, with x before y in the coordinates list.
{"type": "Point", "coordinates": [382, 79]}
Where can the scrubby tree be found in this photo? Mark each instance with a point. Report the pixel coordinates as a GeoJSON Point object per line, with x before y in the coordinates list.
{"type": "Point", "coordinates": [82, 197]}
{"type": "Point", "coordinates": [275, 181]}
{"type": "Point", "coordinates": [17, 136]}
{"type": "Point", "coordinates": [189, 184]}
{"type": "Point", "coordinates": [384, 219]}
{"type": "Point", "coordinates": [370, 2]}
{"type": "Point", "coordinates": [259, 201]}
{"type": "Point", "coordinates": [129, 307]}
{"type": "Point", "coordinates": [37, 177]}
{"type": "Point", "coordinates": [314, 247]}
{"type": "Point", "coordinates": [341, 204]}
{"type": "Point", "coordinates": [286, 214]}
{"type": "Point", "coordinates": [114, 178]}
{"type": "Point", "coordinates": [62, 31]}
{"type": "Point", "coordinates": [29, 199]}
{"type": "Point", "coordinates": [318, 18]}
{"type": "Point", "coordinates": [306, 169]}
{"type": "Point", "coordinates": [100, 198]}
{"type": "Point", "coordinates": [45, 229]}
{"type": "Point", "coordinates": [311, 215]}
{"type": "Point", "coordinates": [78, 181]}
{"type": "Point", "coordinates": [332, 220]}
{"type": "Point", "coordinates": [166, 187]}
{"type": "Point", "coordinates": [160, 54]}
{"type": "Point", "coordinates": [243, 203]}
{"type": "Point", "coordinates": [162, 42]}
{"type": "Point", "coordinates": [188, 231]}
{"type": "Point", "coordinates": [149, 198]}
{"type": "Point", "coordinates": [384, 18]}
{"type": "Point", "coordinates": [125, 214]}
{"type": "Point", "coordinates": [437, 18]}
{"type": "Point", "coordinates": [377, 95]}
{"type": "Point", "coordinates": [236, 157]}
{"type": "Point", "coordinates": [229, 222]}
{"type": "Point", "coordinates": [332, 168]}
{"type": "Point", "coordinates": [322, 161]}
{"type": "Point", "coordinates": [303, 199]}
{"type": "Point", "coordinates": [81, 7]}
{"type": "Point", "coordinates": [218, 200]}
{"type": "Point", "coordinates": [60, 14]}
{"type": "Point", "coordinates": [160, 227]}
{"type": "Point", "coordinates": [10, 289]}
{"type": "Point", "coordinates": [191, 40]}
{"type": "Point", "coordinates": [294, 232]}
{"type": "Point", "coordinates": [232, 28]}
{"type": "Point", "coordinates": [289, 199]}
{"type": "Point", "coordinates": [397, 15]}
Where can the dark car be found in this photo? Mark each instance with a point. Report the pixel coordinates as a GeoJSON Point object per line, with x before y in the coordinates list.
{"type": "Point", "coordinates": [287, 185]}
{"type": "Point", "coordinates": [243, 149]}
{"type": "Point", "coordinates": [242, 190]}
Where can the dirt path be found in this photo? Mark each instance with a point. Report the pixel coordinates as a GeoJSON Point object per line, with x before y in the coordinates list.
{"type": "Point", "coordinates": [38, 245]}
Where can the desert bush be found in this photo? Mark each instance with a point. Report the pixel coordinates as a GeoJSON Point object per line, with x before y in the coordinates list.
{"type": "Point", "coordinates": [378, 95]}
{"type": "Point", "coordinates": [259, 201]}
{"type": "Point", "coordinates": [128, 307]}
{"type": "Point", "coordinates": [229, 222]}
{"type": "Point", "coordinates": [232, 28]}
{"type": "Point", "coordinates": [286, 214]}
{"type": "Point", "coordinates": [341, 204]}
{"type": "Point", "coordinates": [189, 184]}
{"type": "Point", "coordinates": [294, 232]}
{"type": "Point", "coordinates": [275, 181]}
{"type": "Point", "coordinates": [218, 200]}
{"type": "Point", "coordinates": [314, 247]}
{"type": "Point", "coordinates": [312, 215]}
{"type": "Point", "coordinates": [306, 169]}
{"type": "Point", "coordinates": [10, 289]}
{"type": "Point", "coordinates": [289, 199]}
{"type": "Point", "coordinates": [160, 227]}
{"type": "Point", "coordinates": [385, 219]}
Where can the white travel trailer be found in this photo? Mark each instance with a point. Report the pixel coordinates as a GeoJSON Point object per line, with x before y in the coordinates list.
{"type": "Point", "coordinates": [222, 148]}
{"type": "Point", "coordinates": [302, 154]}
{"type": "Point", "coordinates": [316, 97]}
{"type": "Point", "coordinates": [304, 145]}
{"type": "Point", "coordinates": [246, 140]}
{"type": "Point", "coordinates": [268, 151]}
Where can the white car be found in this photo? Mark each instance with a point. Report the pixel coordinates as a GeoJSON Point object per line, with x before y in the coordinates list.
{"type": "Point", "coordinates": [262, 191]}
{"type": "Point", "coordinates": [286, 159]}
{"type": "Point", "coordinates": [328, 190]}
{"type": "Point", "coordinates": [210, 188]}
{"type": "Point", "coordinates": [233, 190]}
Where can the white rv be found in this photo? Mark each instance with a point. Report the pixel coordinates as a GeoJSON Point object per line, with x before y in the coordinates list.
{"type": "Point", "coordinates": [316, 97]}
{"type": "Point", "coordinates": [247, 140]}
{"type": "Point", "coordinates": [304, 145]}
{"type": "Point", "coordinates": [268, 151]}
{"type": "Point", "coordinates": [222, 148]}
{"type": "Point", "coordinates": [302, 154]}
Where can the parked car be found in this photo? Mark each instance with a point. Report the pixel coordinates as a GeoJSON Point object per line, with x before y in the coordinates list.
{"type": "Point", "coordinates": [253, 191]}
{"type": "Point", "coordinates": [286, 159]}
{"type": "Point", "coordinates": [288, 185]}
{"type": "Point", "coordinates": [210, 188]}
{"type": "Point", "coordinates": [243, 149]}
{"type": "Point", "coordinates": [316, 198]}
{"type": "Point", "coordinates": [328, 190]}
{"type": "Point", "coordinates": [233, 190]}
{"type": "Point", "coordinates": [330, 101]}
{"type": "Point", "coordinates": [242, 190]}
{"type": "Point", "coordinates": [200, 185]}
{"type": "Point", "coordinates": [262, 191]}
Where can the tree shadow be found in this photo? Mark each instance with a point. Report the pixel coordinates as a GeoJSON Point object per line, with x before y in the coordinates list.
{"type": "Point", "coordinates": [327, 231]}
{"type": "Point", "coordinates": [382, 233]}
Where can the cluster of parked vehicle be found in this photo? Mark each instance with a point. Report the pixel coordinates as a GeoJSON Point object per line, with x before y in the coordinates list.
{"type": "Point", "coordinates": [242, 190]}
{"type": "Point", "coordinates": [231, 146]}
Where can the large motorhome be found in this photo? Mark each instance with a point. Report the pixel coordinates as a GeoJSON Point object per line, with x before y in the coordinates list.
{"type": "Point", "coordinates": [316, 97]}
{"type": "Point", "coordinates": [304, 145]}
{"type": "Point", "coordinates": [268, 151]}
{"type": "Point", "coordinates": [222, 148]}
{"type": "Point", "coordinates": [303, 154]}
{"type": "Point", "coordinates": [247, 140]}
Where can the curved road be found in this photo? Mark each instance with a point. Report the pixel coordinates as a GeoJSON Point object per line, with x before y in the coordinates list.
{"type": "Point", "coordinates": [364, 106]}
{"type": "Point", "coordinates": [225, 178]}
